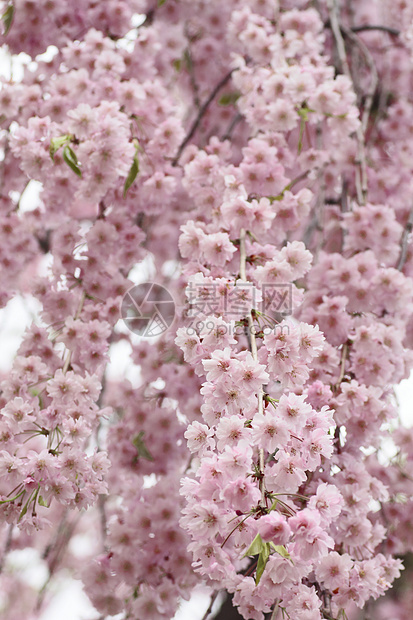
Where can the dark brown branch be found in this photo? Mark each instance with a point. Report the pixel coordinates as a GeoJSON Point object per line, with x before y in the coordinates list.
{"type": "Point", "coordinates": [227, 610]}
{"type": "Point", "coordinates": [373, 74]}
{"type": "Point", "coordinates": [369, 27]}
{"type": "Point", "coordinates": [200, 115]}
{"type": "Point", "coordinates": [214, 596]}
{"type": "Point", "coordinates": [392, 31]}
{"type": "Point", "coordinates": [237, 119]}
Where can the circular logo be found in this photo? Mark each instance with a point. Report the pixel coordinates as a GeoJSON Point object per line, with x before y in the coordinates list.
{"type": "Point", "coordinates": [148, 309]}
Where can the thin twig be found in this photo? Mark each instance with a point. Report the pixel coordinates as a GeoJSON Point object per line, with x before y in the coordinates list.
{"type": "Point", "coordinates": [21, 195]}
{"type": "Point", "coordinates": [342, 365]}
{"type": "Point", "coordinates": [233, 530]}
{"type": "Point", "coordinates": [77, 315]}
{"type": "Point", "coordinates": [237, 119]}
{"type": "Point", "coordinates": [373, 73]}
{"type": "Point", "coordinates": [190, 67]}
{"type": "Point", "coordinates": [338, 30]}
{"type": "Point", "coordinates": [200, 115]}
{"type": "Point", "coordinates": [254, 352]}
{"type": "Point", "coordinates": [7, 546]}
{"type": "Point", "coordinates": [393, 31]}
{"type": "Point", "coordinates": [214, 596]}
{"type": "Point", "coordinates": [54, 541]}
{"type": "Point", "coordinates": [405, 238]}
{"type": "Point", "coordinates": [335, 27]}
{"type": "Point", "coordinates": [61, 547]}
{"type": "Point", "coordinates": [275, 610]}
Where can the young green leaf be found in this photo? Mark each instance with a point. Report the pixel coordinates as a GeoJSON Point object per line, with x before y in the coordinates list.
{"type": "Point", "coordinates": [43, 502]}
{"type": "Point", "coordinates": [133, 172]}
{"type": "Point", "coordinates": [7, 18]}
{"type": "Point", "coordinates": [177, 63]}
{"type": "Point", "coordinates": [255, 547]}
{"type": "Point", "coordinates": [56, 143]}
{"type": "Point", "coordinates": [262, 562]}
{"type": "Point", "coordinates": [281, 550]}
{"type": "Point", "coordinates": [229, 98]}
{"type": "Point", "coordinates": [140, 446]}
{"type": "Point", "coordinates": [69, 156]}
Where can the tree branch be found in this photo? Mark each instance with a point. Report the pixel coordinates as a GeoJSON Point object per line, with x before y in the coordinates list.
{"type": "Point", "coordinates": [338, 31]}
{"type": "Point", "coordinates": [7, 546]}
{"type": "Point", "coordinates": [200, 115]}
{"type": "Point", "coordinates": [373, 72]}
{"type": "Point", "coordinates": [366, 27]}
{"type": "Point", "coordinates": [237, 119]}
{"type": "Point", "coordinates": [405, 238]}
{"type": "Point", "coordinates": [214, 596]}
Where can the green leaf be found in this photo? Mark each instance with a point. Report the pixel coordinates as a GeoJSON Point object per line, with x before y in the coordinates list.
{"type": "Point", "coordinates": [262, 562]}
{"type": "Point", "coordinates": [7, 18]}
{"type": "Point", "coordinates": [177, 63]}
{"type": "Point", "coordinates": [140, 445]}
{"type": "Point", "coordinates": [42, 502]}
{"type": "Point", "coordinates": [229, 98]}
{"type": "Point", "coordinates": [69, 156]}
{"type": "Point", "coordinates": [255, 547]}
{"type": "Point", "coordinates": [161, 2]}
{"type": "Point", "coordinates": [281, 550]}
{"type": "Point", "coordinates": [303, 114]}
{"type": "Point", "coordinates": [56, 143]}
{"type": "Point", "coordinates": [133, 172]}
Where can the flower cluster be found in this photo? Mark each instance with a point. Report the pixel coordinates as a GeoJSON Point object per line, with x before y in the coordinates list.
{"type": "Point", "coordinates": [255, 158]}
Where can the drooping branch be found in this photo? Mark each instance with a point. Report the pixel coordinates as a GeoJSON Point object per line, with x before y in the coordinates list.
{"type": "Point", "coordinates": [373, 76]}
{"type": "Point", "coordinates": [234, 122]}
{"type": "Point", "coordinates": [200, 115]}
{"type": "Point", "coordinates": [367, 27]}
{"type": "Point", "coordinates": [338, 31]}
{"type": "Point", "coordinates": [214, 597]}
